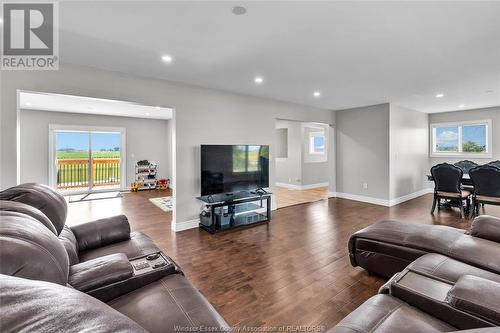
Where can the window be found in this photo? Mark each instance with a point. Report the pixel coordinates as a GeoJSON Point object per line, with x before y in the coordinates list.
{"type": "Point", "coordinates": [317, 143]}
{"type": "Point", "coordinates": [461, 139]}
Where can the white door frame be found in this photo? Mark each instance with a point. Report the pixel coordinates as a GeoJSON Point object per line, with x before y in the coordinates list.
{"type": "Point", "coordinates": [77, 128]}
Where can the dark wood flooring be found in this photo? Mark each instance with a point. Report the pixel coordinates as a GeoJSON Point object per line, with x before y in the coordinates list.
{"type": "Point", "coordinates": [293, 271]}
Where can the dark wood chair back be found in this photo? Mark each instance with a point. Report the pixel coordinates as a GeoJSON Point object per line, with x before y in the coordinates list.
{"type": "Point", "coordinates": [465, 165]}
{"type": "Point", "coordinates": [447, 178]}
{"type": "Point", "coordinates": [495, 163]}
{"type": "Point", "coordinates": [486, 180]}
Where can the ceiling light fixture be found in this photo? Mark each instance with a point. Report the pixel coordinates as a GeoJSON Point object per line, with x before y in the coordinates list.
{"type": "Point", "coordinates": [157, 108]}
{"type": "Point", "coordinates": [239, 10]}
{"type": "Point", "coordinates": [316, 94]}
{"type": "Point", "coordinates": [166, 58]}
{"type": "Point", "coordinates": [147, 113]}
{"type": "Point", "coordinates": [439, 95]}
{"type": "Point", "coordinates": [27, 103]}
{"type": "Point", "coordinates": [461, 106]}
{"type": "Point", "coordinates": [258, 80]}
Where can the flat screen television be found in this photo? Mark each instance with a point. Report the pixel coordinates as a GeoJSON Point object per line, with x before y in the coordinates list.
{"type": "Point", "coordinates": [233, 168]}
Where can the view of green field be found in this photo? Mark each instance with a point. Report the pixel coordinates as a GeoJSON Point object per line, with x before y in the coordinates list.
{"type": "Point", "coordinates": [82, 154]}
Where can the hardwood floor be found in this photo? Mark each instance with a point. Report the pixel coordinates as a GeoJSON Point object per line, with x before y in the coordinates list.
{"type": "Point", "coordinates": [286, 197]}
{"type": "Point", "coordinates": [292, 271]}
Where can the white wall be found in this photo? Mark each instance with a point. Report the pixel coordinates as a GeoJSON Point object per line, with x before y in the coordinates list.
{"type": "Point", "coordinates": [145, 139]}
{"type": "Point", "coordinates": [202, 116]}
{"type": "Point", "coordinates": [363, 152]}
{"type": "Point", "coordinates": [301, 168]}
{"type": "Point", "coordinates": [466, 115]}
{"type": "Point", "coordinates": [409, 144]}
{"type": "Point", "coordinates": [289, 169]}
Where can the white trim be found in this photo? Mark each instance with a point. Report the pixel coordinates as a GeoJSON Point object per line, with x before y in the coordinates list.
{"type": "Point", "coordinates": [397, 201]}
{"type": "Point", "coordinates": [460, 124]}
{"type": "Point", "coordinates": [362, 198]}
{"type": "Point", "coordinates": [185, 225]}
{"type": "Point", "coordinates": [302, 187]}
{"type": "Point", "coordinates": [380, 202]}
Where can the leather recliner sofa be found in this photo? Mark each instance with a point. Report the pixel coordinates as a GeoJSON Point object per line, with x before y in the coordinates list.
{"type": "Point", "coordinates": [442, 279]}
{"type": "Point", "coordinates": [41, 290]}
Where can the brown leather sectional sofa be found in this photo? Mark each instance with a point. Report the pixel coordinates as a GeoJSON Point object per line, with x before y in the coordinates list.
{"type": "Point", "coordinates": [442, 279]}
{"type": "Point", "coordinates": [90, 277]}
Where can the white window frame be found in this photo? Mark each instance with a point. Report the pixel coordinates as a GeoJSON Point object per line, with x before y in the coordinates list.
{"type": "Point", "coordinates": [460, 153]}
{"type": "Point", "coordinates": [312, 135]}
{"type": "Point", "coordinates": [53, 128]}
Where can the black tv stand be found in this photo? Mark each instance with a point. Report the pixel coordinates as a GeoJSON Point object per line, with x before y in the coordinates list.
{"type": "Point", "coordinates": [231, 210]}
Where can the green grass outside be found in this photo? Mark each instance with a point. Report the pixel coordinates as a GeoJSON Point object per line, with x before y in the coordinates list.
{"type": "Point", "coordinates": [75, 155]}
{"type": "Point", "coordinates": [78, 174]}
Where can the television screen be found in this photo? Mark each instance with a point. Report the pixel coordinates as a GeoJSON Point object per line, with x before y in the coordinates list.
{"type": "Point", "coordinates": [233, 168]}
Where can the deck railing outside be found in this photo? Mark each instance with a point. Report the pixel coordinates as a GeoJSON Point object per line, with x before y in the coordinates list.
{"type": "Point", "coordinates": [74, 173]}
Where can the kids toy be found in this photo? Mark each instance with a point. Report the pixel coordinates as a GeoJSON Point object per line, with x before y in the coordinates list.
{"type": "Point", "coordinates": [163, 184]}
{"type": "Point", "coordinates": [134, 187]}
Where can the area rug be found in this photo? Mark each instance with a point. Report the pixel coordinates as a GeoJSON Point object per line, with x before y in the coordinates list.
{"type": "Point", "coordinates": [164, 203]}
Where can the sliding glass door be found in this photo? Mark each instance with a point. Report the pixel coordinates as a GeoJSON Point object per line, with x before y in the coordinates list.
{"type": "Point", "coordinates": [86, 160]}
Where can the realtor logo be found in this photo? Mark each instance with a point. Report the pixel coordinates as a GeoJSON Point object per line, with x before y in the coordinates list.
{"type": "Point", "coordinates": [30, 36]}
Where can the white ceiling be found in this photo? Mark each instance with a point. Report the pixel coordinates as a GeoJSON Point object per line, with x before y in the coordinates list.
{"type": "Point", "coordinates": [355, 53]}
{"type": "Point", "coordinates": [99, 106]}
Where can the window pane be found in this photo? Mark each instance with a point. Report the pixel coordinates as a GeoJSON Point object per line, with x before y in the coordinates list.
{"type": "Point", "coordinates": [474, 139]}
{"type": "Point", "coordinates": [319, 144]}
{"type": "Point", "coordinates": [446, 139]}
{"type": "Point", "coordinates": [72, 145]}
{"type": "Point", "coordinates": [106, 145]}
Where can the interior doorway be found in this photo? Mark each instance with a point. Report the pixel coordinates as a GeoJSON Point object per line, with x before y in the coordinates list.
{"type": "Point", "coordinates": [304, 162]}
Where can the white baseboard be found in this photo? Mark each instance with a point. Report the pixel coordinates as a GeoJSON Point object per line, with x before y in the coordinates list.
{"type": "Point", "coordinates": [362, 198]}
{"type": "Point", "coordinates": [378, 201]}
{"type": "Point", "coordinates": [301, 187]}
{"type": "Point", "coordinates": [397, 201]}
{"type": "Point", "coordinates": [185, 225]}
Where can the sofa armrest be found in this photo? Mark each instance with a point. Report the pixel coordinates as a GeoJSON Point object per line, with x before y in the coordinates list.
{"type": "Point", "coordinates": [99, 272]}
{"type": "Point", "coordinates": [102, 232]}
{"type": "Point", "coordinates": [476, 296]}
{"type": "Point", "coordinates": [486, 227]}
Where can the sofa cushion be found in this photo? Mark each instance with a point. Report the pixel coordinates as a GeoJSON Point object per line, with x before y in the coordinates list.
{"type": "Point", "coordinates": [400, 240]}
{"type": "Point", "coordinates": [138, 245]}
{"type": "Point", "coordinates": [448, 269]}
{"type": "Point", "coordinates": [487, 227]}
{"type": "Point", "coordinates": [37, 306]}
{"type": "Point", "coordinates": [68, 239]}
{"type": "Point", "coordinates": [383, 313]}
{"type": "Point", "coordinates": [20, 207]}
{"type": "Point", "coordinates": [168, 303]}
{"type": "Point", "coordinates": [30, 250]}
{"type": "Point", "coordinates": [42, 197]}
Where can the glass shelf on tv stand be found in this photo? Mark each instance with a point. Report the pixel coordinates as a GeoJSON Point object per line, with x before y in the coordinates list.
{"type": "Point", "coordinates": [242, 205]}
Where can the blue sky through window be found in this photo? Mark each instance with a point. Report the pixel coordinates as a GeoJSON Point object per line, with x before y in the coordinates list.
{"type": "Point", "coordinates": [447, 139]}
{"type": "Point", "coordinates": [474, 133]}
{"type": "Point", "coordinates": [80, 141]}
{"type": "Point", "coordinates": [319, 143]}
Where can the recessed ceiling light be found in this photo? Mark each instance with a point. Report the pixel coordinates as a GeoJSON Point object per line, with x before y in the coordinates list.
{"type": "Point", "coordinates": [439, 95]}
{"type": "Point", "coordinates": [461, 106]}
{"type": "Point", "coordinates": [239, 10]}
{"type": "Point", "coordinates": [157, 108]}
{"type": "Point", "coordinates": [147, 113]}
{"type": "Point", "coordinates": [258, 79]}
{"type": "Point", "coordinates": [166, 58]}
{"type": "Point", "coordinates": [316, 94]}
{"type": "Point", "coordinates": [27, 103]}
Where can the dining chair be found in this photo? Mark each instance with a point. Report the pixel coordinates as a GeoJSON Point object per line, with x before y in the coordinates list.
{"type": "Point", "coordinates": [448, 186]}
{"type": "Point", "coordinates": [465, 165]}
{"type": "Point", "coordinates": [486, 181]}
{"type": "Point", "coordinates": [495, 163]}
